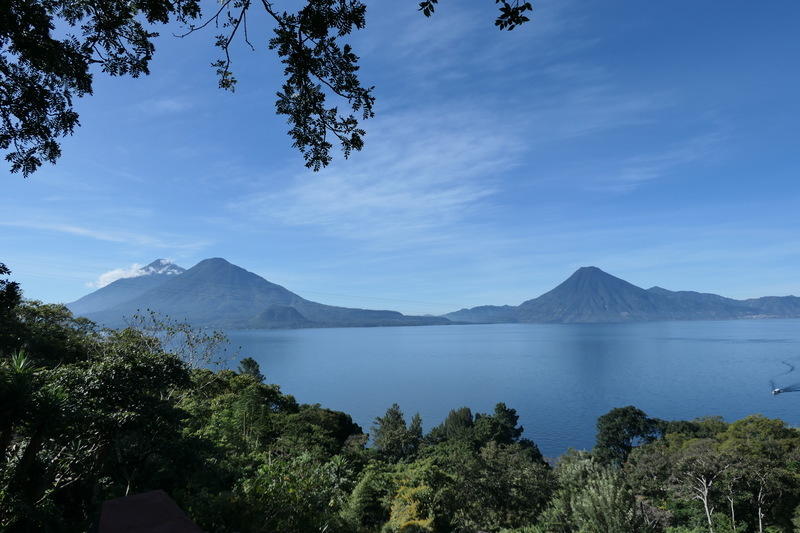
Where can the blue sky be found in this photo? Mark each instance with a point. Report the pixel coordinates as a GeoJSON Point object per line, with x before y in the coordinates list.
{"type": "Point", "coordinates": [658, 141]}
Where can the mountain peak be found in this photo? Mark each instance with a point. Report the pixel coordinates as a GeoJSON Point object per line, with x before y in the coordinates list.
{"type": "Point", "coordinates": [589, 271]}
{"type": "Point", "coordinates": [214, 261]}
{"type": "Point", "coordinates": [591, 275]}
{"type": "Point", "coordinates": [162, 266]}
{"type": "Point", "coordinates": [217, 293]}
{"type": "Point", "coordinates": [216, 264]}
{"type": "Point", "coordinates": [131, 284]}
{"type": "Point", "coordinates": [158, 263]}
{"type": "Point", "coordinates": [590, 295]}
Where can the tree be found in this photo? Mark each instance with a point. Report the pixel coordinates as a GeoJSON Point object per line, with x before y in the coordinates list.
{"type": "Point", "coordinates": [295, 495]}
{"type": "Point", "coordinates": [250, 367]}
{"type": "Point", "coordinates": [10, 294]}
{"type": "Point", "coordinates": [761, 451]}
{"type": "Point", "coordinates": [500, 427]}
{"type": "Point", "coordinates": [457, 426]}
{"type": "Point", "coordinates": [365, 509]}
{"type": "Point", "coordinates": [42, 74]}
{"type": "Point", "coordinates": [80, 430]}
{"type": "Point", "coordinates": [415, 432]}
{"type": "Point", "coordinates": [647, 467]}
{"type": "Point", "coordinates": [619, 430]}
{"type": "Point", "coordinates": [697, 471]}
{"type": "Point", "coordinates": [17, 390]}
{"type": "Point", "coordinates": [393, 439]}
{"type": "Point", "coordinates": [410, 511]}
{"type": "Point", "coordinates": [506, 486]}
{"type": "Point", "coordinates": [10, 298]}
{"type": "Point", "coordinates": [606, 505]}
{"type": "Point", "coordinates": [731, 483]}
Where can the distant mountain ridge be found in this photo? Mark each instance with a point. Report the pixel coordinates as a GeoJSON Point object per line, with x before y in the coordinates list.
{"type": "Point", "coordinates": [216, 293]}
{"type": "Point", "coordinates": [590, 295]}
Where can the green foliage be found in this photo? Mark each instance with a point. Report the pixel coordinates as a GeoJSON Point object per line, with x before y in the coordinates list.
{"type": "Point", "coordinates": [457, 426]}
{"type": "Point", "coordinates": [104, 422]}
{"type": "Point", "coordinates": [89, 414]}
{"type": "Point", "coordinates": [423, 496]}
{"type": "Point", "coordinates": [295, 494]}
{"type": "Point", "coordinates": [606, 505]}
{"type": "Point", "coordinates": [250, 366]}
{"type": "Point", "coordinates": [366, 508]}
{"type": "Point", "coordinates": [411, 510]}
{"type": "Point", "coordinates": [394, 440]}
{"type": "Point", "coordinates": [10, 298]}
{"type": "Point", "coordinates": [41, 73]}
{"type": "Point", "coordinates": [476, 432]}
{"type": "Point", "coordinates": [500, 427]}
{"type": "Point", "coordinates": [796, 518]}
{"type": "Point", "coordinates": [506, 486]}
{"type": "Point", "coordinates": [619, 430]}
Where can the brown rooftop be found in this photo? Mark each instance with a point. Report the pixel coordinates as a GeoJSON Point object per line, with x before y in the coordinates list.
{"type": "Point", "coordinates": [148, 512]}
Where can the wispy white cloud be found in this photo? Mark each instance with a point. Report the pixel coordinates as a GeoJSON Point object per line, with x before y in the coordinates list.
{"type": "Point", "coordinates": [429, 174]}
{"type": "Point", "coordinates": [164, 266]}
{"type": "Point", "coordinates": [164, 106]}
{"type": "Point", "coordinates": [116, 236]}
{"type": "Point", "coordinates": [423, 175]}
{"type": "Point", "coordinates": [460, 40]}
{"type": "Point", "coordinates": [634, 171]}
{"type": "Point", "coordinates": [133, 271]}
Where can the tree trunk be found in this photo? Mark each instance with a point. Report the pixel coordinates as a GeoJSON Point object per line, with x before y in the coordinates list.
{"type": "Point", "coordinates": [704, 497]}
{"type": "Point", "coordinates": [760, 514]}
{"type": "Point", "coordinates": [708, 515]}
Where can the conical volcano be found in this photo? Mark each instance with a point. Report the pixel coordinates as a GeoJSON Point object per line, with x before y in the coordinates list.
{"type": "Point", "coordinates": [591, 295]}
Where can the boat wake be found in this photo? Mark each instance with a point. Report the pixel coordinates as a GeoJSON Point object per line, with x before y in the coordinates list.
{"type": "Point", "coordinates": [795, 387]}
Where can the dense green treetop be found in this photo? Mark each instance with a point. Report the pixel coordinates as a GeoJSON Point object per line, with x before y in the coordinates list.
{"type": "Point", "coordinates": [250, 366]}
{"type": "Point", "coordinates": [619, 430]}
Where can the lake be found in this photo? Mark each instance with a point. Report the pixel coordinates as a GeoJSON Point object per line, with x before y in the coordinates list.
{"type": "Point", "coordinates": [559, 377]}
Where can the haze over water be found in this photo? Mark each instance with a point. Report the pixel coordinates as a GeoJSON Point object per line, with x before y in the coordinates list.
{"type": "Point", "coordinates": [559, 377]}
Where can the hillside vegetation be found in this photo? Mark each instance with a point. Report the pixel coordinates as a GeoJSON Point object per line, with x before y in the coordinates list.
{"type": "Point", "coordinates": [88, 414]}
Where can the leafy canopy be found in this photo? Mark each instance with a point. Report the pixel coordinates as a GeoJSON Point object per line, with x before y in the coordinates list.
{"type": "Point", "coordinates": [42, 72]}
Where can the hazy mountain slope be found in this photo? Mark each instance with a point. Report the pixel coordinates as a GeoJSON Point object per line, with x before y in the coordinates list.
{"type": "Point", "coordinates": [126, 289]}
{"type": "Point", "coordinates": [776, 306]}
{"type": "Point", "coordinates": [485, 314]}
{"type": "Point", "coordinates": [345, 316]}
{"type": "Point", "coordinates": [279, 317]}
{"type": "Point", "coordinates": [217, 293]}
{"type": "Point", "coordinates": [689, 305]}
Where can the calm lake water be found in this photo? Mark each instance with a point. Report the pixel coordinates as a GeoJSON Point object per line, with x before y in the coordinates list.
{"type": "Point", "coordinates": [560, 378]}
